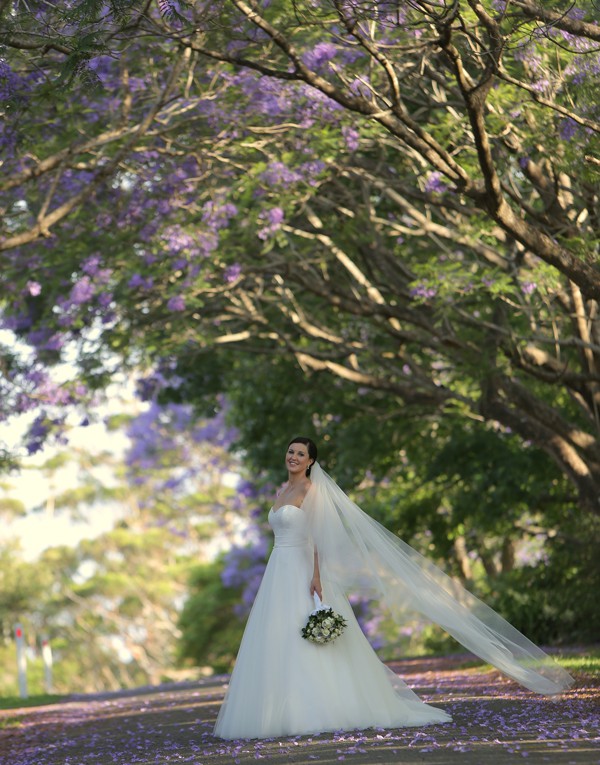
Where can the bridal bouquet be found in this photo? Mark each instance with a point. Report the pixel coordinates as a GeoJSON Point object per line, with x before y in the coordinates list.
{"type": "Point", "coordinates": [323, 624]}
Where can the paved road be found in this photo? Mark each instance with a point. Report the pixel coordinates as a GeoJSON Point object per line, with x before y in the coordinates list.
{"type": "Point", "coordinates": [494, 723]}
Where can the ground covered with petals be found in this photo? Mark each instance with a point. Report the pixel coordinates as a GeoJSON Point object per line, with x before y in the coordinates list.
{"type": "Point", "coordinates": [494, 722]}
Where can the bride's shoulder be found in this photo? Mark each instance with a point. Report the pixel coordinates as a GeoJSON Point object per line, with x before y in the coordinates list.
{"type": "Point", "coordinates": [307, 487]}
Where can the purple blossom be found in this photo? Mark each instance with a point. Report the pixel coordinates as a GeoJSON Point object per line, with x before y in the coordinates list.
{"type": "Point", "coordinates": [274, 218]}
{"type": "Point", "coordinates": [10, 84]}
{"type": "Point", "coordinates": [54, 343]}
{"type": "Point", "coordinates": [105, 299]}
{"type": "Point", "coordinates": [584, 68]}
{"type": "Point", "coordinates": [17, 319]}
{"type": "Point", "coordinates": [179, 264]}
{"type": "Point", "coordinates": [244, 567]}
{"type": "Point", "coordinates": [103, 67]}
{"type": "Point", "coordinates": [527, 288]}
{"type": "Point", "coordinates": [423, 290]}
{"type": "Point", "coordinates": [37, 434]}
{"type": "Point", "coordinates": [91, 265]}
{"type": "Point", "coordinates": [320, 55]}
{"type": "Point", "coordinates": [138, 281]}
{"type": "Point", "coordinates": [568, 128]}
{"type": "Point", "coordinates": [148, 387]}
{"type": "Point", "coordinates": [351, 137]}
{"type": "Point", "coordinates": [65, 320]}
{"type": "Point", "coordinates": [45, 340]}
{"type": "Point", "coordinates": [310, 170]}
{"type": "Point", "coordinates": [214, 431]}
{"type": "Point", "coordinates": [279, 174]}
{"type": "Point", "coordinates": [33, 288]}
{"type": "Point", "coordinates": [176, 303]}
{"type": "Point", "coordinates": [247, 489]}
{"type": "Point", "coordinates": [217, 216]}
{"type": "Point", "coordinates": [82, 291]}
{"type": "Point", "coordinates": [529, 55]}
{"type": "Point", "coordinates": [542, 85]}
{"type": "Point", "coordinates": [434, 184]}
{"type": "Point", "coordinates": [177, 240]}
{"type": "Point", "coordinates": [232, 273]}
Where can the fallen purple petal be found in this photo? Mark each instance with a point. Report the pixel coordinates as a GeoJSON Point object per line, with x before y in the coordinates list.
{"type": "Point", "coordinates": [495, 721]}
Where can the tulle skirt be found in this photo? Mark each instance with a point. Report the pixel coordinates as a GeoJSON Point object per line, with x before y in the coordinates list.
{"type": "Point", "coordinates": [284, 685]}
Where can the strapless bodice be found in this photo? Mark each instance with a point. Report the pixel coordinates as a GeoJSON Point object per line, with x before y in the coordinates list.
{"type": "Point", "coordinates": [290, 526]}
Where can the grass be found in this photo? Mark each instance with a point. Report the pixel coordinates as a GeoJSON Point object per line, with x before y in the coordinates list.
{"type": "Point", "coordinates": [587, 662]}
{"type": "Point", "coordinates": [15, 702]}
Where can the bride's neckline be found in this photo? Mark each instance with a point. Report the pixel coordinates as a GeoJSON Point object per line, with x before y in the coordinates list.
{"type": "Point", "coordinates": [287, 504]}
{"type": "Point", "coordinates": [290, 504]}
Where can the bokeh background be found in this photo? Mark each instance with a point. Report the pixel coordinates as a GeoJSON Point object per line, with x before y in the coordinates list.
{"type": "Point", "coordinates": [225, 224]}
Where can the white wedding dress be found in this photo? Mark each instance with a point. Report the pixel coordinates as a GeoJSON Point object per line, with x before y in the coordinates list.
{"type": "Point", "coordinates": [282, 684]}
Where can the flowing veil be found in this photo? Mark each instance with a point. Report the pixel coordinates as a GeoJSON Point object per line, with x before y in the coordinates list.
{"type": "Point", "coordinates": [358, 554]}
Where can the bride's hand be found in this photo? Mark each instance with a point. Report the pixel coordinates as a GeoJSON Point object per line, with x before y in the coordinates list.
{"type": "Point", "coordinates": [315, 586]}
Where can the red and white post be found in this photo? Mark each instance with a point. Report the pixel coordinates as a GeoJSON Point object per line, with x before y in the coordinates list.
{"type": "Point", "coordinates": [21, 660]}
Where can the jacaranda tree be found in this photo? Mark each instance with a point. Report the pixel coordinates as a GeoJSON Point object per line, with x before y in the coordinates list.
{"type": "Point", "coordinates": [397, 193]}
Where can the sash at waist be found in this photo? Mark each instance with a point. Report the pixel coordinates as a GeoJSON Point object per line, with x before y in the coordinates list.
{"type": "Point", "coordinates": [291, 543]}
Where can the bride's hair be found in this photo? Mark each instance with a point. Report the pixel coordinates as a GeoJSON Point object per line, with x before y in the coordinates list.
{"type": "Point", "coordinates": [312, 449]}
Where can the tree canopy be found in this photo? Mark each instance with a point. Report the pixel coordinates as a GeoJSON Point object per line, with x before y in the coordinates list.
{"type": "Point", "coordinates": [398, 194]}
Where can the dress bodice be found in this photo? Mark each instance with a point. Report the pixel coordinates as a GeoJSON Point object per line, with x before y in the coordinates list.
{"type": "Point", "coordinates": [290, 526]}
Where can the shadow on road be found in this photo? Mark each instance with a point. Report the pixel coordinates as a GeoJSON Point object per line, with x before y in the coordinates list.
{"type": "Point", "coordinates": [494, 722]}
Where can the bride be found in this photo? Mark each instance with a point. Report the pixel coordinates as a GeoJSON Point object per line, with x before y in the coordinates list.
{"type": "Point", "coordinates": [283, 685]}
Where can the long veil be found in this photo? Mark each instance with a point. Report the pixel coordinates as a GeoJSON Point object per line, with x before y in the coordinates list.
{"type": "Point", "coordinates": [359, 554]}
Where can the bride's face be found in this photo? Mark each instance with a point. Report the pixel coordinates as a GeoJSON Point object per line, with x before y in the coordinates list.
{"type": "Point", "coordinates": [297, 459]}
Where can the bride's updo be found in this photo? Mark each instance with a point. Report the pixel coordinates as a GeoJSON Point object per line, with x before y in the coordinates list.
{"type": "Point", "coordinates": [312, 449]}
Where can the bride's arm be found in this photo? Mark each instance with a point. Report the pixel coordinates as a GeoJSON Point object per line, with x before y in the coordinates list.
{"type": "Point", "coordinates": [315, 585]}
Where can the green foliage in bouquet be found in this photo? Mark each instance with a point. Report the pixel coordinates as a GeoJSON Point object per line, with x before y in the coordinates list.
{"type": "Point", "coordinates": [323, 626]}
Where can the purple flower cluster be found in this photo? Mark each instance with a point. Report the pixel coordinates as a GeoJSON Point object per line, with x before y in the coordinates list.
{"type": "Point", "coordinates": [244, 566]}
{"type": "Point", "coordinates": [273, 219]}
{"type": "Point", "coordinates": [137, 281]}
{"type": "Point", "coordinates": [41, 429]}
{"type": "Point", "coordinates": [528, 288]}
{"type": "Point", "coordinates": [11, 84]}
{"type": "Point", "coordinates": [82, 291]}
{"type": "Point", "coordinates": [351, 137]}
{"type": "Point", "coordinates": [232, 273]}
{"type": "Point", "coordinates": [423, 291]}
{"type": "Point", "coordinates": [279, 174]}
{"type": "Point", "coordinates": [176, 303]}
{"type": "Point", "coordinates": [38, 432]}
{"type": "Point", "coordinates": [584, 68]}
{"type": "Point", "coordinates": [369, 617]}
{"type": "Point", "coordinates": [320, 55]}
{"type": "Point", "coordinates": [434, 184]}
{"type": "Point", "coordinates": [171, 454]}
{"type": "Point", "coordinates": [45, 340]}
{"type": "Point", "coordinates": [218, 215]}
{"type": "Point", "coordinates": [568, 128]}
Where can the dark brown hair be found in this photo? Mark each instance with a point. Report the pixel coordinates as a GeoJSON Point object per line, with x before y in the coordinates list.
{"type": "Point", "coordinates": [312, 449]}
